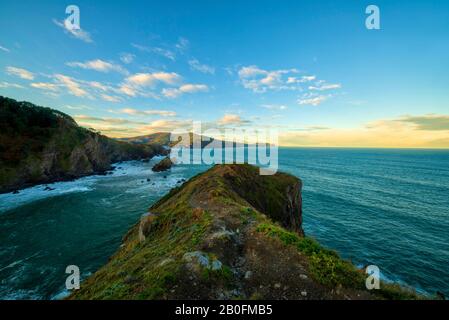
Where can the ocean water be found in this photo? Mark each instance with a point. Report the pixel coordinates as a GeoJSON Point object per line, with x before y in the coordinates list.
{"type": "Point", "coordinates": [384, 207]}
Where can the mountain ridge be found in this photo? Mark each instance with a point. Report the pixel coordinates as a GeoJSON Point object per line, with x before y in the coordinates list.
{"type": "Point", "coordinates": [228, 233]}
{"type": "Point", "coordinates": [41, 145]}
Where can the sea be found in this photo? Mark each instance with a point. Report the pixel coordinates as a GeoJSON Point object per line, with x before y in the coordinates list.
{"type": "Point", "coordinates": [383, 207]}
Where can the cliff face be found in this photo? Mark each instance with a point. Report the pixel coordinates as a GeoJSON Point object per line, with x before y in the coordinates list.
{"type": "Point", "coordinates": [225, 235]}
{"type": "Point", "coordinates": [41, 145]}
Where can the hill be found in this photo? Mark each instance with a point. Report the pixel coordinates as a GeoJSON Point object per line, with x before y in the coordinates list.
{"type": "Point", "coordinates": [228, 233]}
{"type": "Point", "coordinates": [163, 138]}
{"type": "Point", "coordinates": [41, 145]}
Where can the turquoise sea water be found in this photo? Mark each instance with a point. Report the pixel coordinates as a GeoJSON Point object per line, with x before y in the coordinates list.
{"type": "Point", "coordinates": [384, 207]}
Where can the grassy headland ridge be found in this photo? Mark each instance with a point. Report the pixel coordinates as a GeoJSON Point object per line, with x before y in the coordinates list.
{"type": "Point", "coordinates": [229, 233]}
{"type": "Point", "coordinates": [41, 145]}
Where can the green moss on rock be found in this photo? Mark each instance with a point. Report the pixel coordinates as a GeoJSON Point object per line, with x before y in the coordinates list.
{"type": "Point", "coordinates": [228, 233]}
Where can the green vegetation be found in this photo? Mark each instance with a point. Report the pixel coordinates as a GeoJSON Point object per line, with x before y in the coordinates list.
{"type": "Point", "coordinates": [328, 268]}
{"type": "Point", "coordinates": [146, 270]}
{"type": "Point", "coordinates": [210, 238]}
{"type": "Point", "coordinates": [40, 145]}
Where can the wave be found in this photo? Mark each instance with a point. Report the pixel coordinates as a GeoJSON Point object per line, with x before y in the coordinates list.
{"type": "Point", "coordinates": [9, 201]}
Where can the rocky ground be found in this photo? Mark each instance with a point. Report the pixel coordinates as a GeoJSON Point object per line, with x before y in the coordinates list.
{"type": "Point", "coordinates": [228, 233]}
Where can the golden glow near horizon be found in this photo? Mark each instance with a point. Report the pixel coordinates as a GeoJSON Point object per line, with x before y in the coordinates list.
{"type": "Point", "coordinates": [428, 131]}
{"type": "Point", "coordinates": [339, 86]}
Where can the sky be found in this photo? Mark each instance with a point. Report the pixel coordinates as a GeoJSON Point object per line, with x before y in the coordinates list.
{"type": "Point", "coordinates": [309, 69]}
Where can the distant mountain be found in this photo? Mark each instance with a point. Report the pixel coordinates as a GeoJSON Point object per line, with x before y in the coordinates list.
{"type": "Point", "coordinates": [41, 145]}
{"type": "Point", "coordinates": [163, 138]}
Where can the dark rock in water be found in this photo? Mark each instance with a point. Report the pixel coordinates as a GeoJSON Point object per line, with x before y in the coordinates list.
{"type": "Point", "coordinates": [153, 184]}
{"type": "Point", "coordinates": [165, 177]}
{"type": "Point", "coordinates": [163, 165]}
{"type": "Point", "coordinates": [15, 192]}
{"type": "Point", "coordinates": [145, 160]}
{"type": "Point", "coordinates": [148, 179]}
{"type": "Point", "coordinates": [47, 188]}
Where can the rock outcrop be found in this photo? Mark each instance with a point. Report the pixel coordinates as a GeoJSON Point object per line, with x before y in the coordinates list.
{"type": "Point", "coordinates": [163, 165]}
{"type": "Point", "coordinates": [41, 145]}
{"type": "Point", "coordinates": [228, 233]}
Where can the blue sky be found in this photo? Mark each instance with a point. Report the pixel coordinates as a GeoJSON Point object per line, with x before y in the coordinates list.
{"type": "Point", "coordinates": [308, 68]}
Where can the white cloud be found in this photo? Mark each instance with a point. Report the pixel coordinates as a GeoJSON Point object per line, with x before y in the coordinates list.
{"type": "Point", "coordinates": [191, 88]}
{"type": "Point", "coordinates": [128, 90]}
{"type": "Point", "coordinates": [171, 92]}
{"type": "Point", "coordinates": [45, 86]}
{"type": "Point", "coordinates": [165, 53]}
{"type": "Point", "coordinates": [166, 125]}
{"type": "Point", "coordinates": [85, 119]}
{"type": "Point", "coordinates": [4, 84]}
{"type": "Point", "coordinates": [19, 72]}
{"type": "Point", "coordinates": [302, 79]}
{"type": "Point", "coordinates": [186, 88]}
{"type": "Point", "coordinates": [134, 112]}
{"type": "Point", "coordinates": [135, 84]}
{"type": "Point", "coordinates": [274, 107]}
{"type": "Point", "coordinates": [314, 101]}
{"type": "Point", "coordinates": [204, 68]}
{"type": "Point", "coordinates": [231, 119]}
{"type": "Point", "coordinates": [150, 79]}
{"type": "Point", "coordinates": [4, 49]}
{"type": "Point", "coordinates": [127, 57]}
{"type": "Point", "coordinates": [76, 33]}
{"type": "Point", "coordinates": [259, 80]}
{"type": "Point", "coordinates": [229, 70]}
{"type": "Point", "coordinates": [183, 44]}
{"type": "Point", "coordinates": [159, 51]}
{"type": "Point", "coordinates": [322, 86]}
{"type": "Point", "coordinates": [109, 98]}
{"type": "Point", "coordinates": [98, 65]}
{"type": "Point", "coordinates": [251, 71]}
{"type": "Point", "coordinates": [79, 107]}
{"type": "Point", "coordinates": [99, 86]}
{"type": "Point", "coordinates": [72, 85]}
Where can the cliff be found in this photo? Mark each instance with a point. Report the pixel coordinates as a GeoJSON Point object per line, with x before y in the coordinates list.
{"type": "Point", "coordinates": [228, 233]}
{"type": "Point", "coordinates": [42, 145]}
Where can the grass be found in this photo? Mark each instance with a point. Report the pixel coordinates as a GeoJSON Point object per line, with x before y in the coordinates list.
{"type": "Point", "coordinates": [186, 217]}
{"type": "Point", "coordinates": [327, 268]}
{"type": "Point", "coordinates": [147, 270]}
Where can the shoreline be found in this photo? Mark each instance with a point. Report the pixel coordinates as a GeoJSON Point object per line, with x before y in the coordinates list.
{"type": "Point", "coordinates": [402, 283]}
{"type": "Point", "coordinates": [109, 171]}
